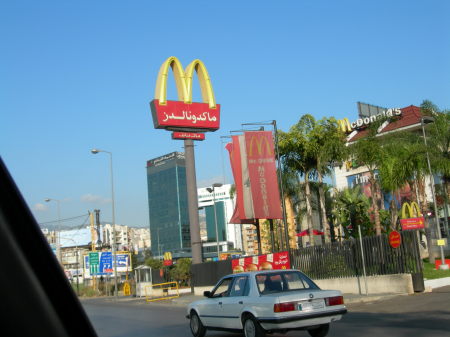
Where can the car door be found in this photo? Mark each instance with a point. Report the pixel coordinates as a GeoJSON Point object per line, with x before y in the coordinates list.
{"type": "Point", "coordinates": [211, 312]}
{"type": "Point", "coordinates": [233, 304]}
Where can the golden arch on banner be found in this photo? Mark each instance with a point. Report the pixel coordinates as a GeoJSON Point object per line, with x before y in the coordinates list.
{"type": "Point", "coordinates": [183, 81]}
{"type": "Point", "coordinates": [345, 125]}
{"type": "Point", "coordinates": [410, 210]}
{"type": "Point", "coordinates": [262, 145]}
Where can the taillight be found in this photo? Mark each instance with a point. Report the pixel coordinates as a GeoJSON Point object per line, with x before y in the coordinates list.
{"type": "Point", "coordinates": [283, 307]}
{"type": "Point", "coordinates": [336, 300]}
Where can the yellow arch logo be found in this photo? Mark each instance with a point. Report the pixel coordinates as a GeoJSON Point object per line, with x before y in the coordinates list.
{"type": "Point", "coordinates": [183, 81]}
{"type": "Point", "coordinates": [410, 210]}
{"type": "Point", "coordinates": [262, 145]}
{"type": "Point", "coordinates": [345, 125]}
{"type": "Point", "coordinates": [167, 256]}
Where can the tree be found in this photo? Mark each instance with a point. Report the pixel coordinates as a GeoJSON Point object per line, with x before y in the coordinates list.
{"type": "Point", "coordinates": [181, 272]}
{"type": "Point", "coordinates": [153, 263]}
{"type": "Point", "coordinates": [368, 152]}
{"type": "Point", "coordinates": [328, 148]}
{"type": "Point", "coordinates": [297, 155]}
{"type": "Point", "coordinates": [351, 209]}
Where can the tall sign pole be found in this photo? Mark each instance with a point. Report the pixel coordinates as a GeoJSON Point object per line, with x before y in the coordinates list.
{"type": "Point", "coordinates": [191, 182]}
{"type": "Point", "coordinates": [188, 120]}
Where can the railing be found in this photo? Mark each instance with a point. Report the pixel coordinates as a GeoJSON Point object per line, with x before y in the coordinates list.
{"type": "Point", "coordinates": [163, 289]}
{"type": "Point", "coordinates": [337, 260]}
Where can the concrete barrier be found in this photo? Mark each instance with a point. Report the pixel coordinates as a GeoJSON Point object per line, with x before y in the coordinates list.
{"type": "Point", "coordinates": [380, 284]}
{"type": "Point", "coordinates": [397, 283]}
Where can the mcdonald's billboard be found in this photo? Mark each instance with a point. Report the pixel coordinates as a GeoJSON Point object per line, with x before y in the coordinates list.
{"type": "Point", "coordinates": [411, 216]}
{"type": "Point", "coordinates": [167, 259]}
{"type": "Point", "coordinates": [263, 174]}
{"type": "Point", "coordinates": [184, 115]}
{"type": "Point", "coordinates": [188, 135]}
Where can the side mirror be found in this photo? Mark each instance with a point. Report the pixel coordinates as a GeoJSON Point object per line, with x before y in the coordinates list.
{"type": "Point", "coordinates": [207, 294]}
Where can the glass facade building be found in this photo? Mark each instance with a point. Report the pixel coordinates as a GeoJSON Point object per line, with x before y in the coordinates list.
{"type": "Point", "coordinates": [168, 204]}
{"type": "Point", "coordinates": [211, 224]}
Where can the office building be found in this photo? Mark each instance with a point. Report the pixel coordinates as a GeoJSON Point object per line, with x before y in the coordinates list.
{"type": "Point", "coordinates": [168, 204]}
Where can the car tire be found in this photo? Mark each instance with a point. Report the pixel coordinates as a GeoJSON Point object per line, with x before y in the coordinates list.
{"type": "Point", "coordinates": [321, 331]}
{"type": "Point", "coordinates": [196, 325]}
{"type": "Point", "coordinates": [252, 328]}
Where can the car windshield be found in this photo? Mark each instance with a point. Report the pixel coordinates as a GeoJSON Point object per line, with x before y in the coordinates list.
{"type": "Point", "coordinates": [283, 281]}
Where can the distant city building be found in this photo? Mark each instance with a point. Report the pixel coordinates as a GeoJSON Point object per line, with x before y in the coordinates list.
{"type": "Point", "coordinates": [224, 211]}
{"type": "Point", "coordinates": [168, 204]}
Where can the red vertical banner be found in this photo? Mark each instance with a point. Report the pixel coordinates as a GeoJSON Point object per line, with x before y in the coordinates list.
{"type": "Point", "coordinates": [244, 206]}
{"type": "Point", "coordinates": [263, 175]}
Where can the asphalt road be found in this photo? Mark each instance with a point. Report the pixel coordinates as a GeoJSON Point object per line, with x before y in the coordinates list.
{"type": "Point", "coordinates": [417, 315]}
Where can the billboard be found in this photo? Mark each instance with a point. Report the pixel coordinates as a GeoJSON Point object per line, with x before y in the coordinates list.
{"type": "Point", "coordinates": [278, 260]}
{"type": "Point", "coordinates": [188, 135]}
{"type": "Point", "coordinates": [263, 174]}
{"type": "Point", "coordinates": [184, 115]}
{"type": "Point", "coordinates": [105, 263]}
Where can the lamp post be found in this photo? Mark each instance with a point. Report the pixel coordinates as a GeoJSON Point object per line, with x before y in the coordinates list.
{"type": "Point", "coordinates": [58, 248]}
{"type": "Point", "coordinates": [425, 120]}
{"type": "Point", "coordinates": [95, 151]}
{"type": "Point", "coordinates": [212, 190]}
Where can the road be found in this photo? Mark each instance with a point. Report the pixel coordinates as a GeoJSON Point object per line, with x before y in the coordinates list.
{"type": "Point", "coordinates": [417, 315]}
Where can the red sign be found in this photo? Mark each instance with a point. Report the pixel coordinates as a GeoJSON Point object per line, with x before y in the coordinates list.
{"type": "Point", "coordinates": [188, 135]}
{"type": "Point", "coordinates": [263, 174]}
{"type": "Point", "coordinates": [395, 239]}
{"type": "Point", "coordinates": [413, 223]}
{"type": "Point", "coordinates": [261, 262]}
{"type": "Point", "coordinates": [177, 115]}
{"type": "Point", "coordinates": [168, 262]}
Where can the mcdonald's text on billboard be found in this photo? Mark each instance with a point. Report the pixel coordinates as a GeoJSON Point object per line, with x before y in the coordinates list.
{"type": "Point", "coordinates": [176, 115]}
{"type": "Point", "coordinates": [188, 135]}
{"type": "Point", "coordinates": [346, 126]}
{"type": "Point", "coordinates": [412, 223]}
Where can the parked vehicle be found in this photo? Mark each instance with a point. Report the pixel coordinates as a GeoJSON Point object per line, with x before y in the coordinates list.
{"type": "Point", "coordinates": [264, 302]}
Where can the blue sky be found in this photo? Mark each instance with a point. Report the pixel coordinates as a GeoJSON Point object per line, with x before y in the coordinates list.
{"type": "Point", "coordinates": [78, 75]}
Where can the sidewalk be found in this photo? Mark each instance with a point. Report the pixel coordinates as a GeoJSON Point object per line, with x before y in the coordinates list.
{"type": "Point", "coordinates": [185, 299]}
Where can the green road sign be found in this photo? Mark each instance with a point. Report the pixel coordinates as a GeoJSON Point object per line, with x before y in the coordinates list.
{"type": "Point", "coordinates": [93, 263]}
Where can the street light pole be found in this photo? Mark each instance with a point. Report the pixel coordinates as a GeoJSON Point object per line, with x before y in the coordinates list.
{"type": "Point", "coordinates": [213, 191]}
{"type": "Point", "coordinates": [58, 243]}
{"type": "Point", "coordinates": [113, 248]}
{"type": "Point", "coordinates": [443, 265]}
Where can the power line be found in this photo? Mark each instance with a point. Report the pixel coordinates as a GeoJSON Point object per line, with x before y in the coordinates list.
{"type": "Point", "coordinates": [66, 219]}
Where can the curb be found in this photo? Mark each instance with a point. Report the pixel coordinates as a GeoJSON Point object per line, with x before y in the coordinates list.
{"type": "Point", "coordinates": [437, 283]}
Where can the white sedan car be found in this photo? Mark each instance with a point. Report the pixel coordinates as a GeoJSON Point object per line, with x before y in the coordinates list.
{"type": "Point", "coordinates": [264, 302]}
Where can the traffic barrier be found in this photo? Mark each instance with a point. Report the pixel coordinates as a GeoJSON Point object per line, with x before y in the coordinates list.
{"type": "Point", "coordinates": [162, 290]}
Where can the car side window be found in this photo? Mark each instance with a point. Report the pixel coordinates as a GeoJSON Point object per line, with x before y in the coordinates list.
{"type": "Point", "coordinates": [222, 289]}
{"type": "Point", "coordinates": [239, 286]}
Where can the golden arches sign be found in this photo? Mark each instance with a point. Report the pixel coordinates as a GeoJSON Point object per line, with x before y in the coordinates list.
{"type": "Point", "coordinates": [411, 210]}
{"type": "Point", "coordinates": [167, 256]}
{"type": "Point", "coordinates": [344, 125]}
{"type": "Point", "coordinates": [262, 145]}
{"type": "Point", "coordinates": [183, 81]}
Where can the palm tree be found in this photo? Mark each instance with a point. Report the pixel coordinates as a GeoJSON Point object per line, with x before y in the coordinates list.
{"type": "Point", "coordinates": [328, 146]}
{"type": "Point", "coordinates": [402, 162]}
{"type": "Point", "coordinates": [297, 155]}
{"type": "Point", "coordinates": [351, 209]}
{"type": "Point", "coordinates": [368, 152]}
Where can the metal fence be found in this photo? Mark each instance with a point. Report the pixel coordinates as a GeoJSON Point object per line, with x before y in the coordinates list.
{"type": "Point", "coordinates": [338, 260]}
{"type": "Point", "coordinates": [344, 259]}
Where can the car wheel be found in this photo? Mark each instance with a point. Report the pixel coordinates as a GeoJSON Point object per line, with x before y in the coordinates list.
{"type": "Point", "coordinates": [252, 328]}
{"type": "Point", "coordinates": [321, 331]}
{"type": "Point", "coordinates": [196, 325]}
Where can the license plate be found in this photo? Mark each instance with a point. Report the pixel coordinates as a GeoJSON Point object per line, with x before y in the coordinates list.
{"type": "Point", "coordinates": [313, 305]}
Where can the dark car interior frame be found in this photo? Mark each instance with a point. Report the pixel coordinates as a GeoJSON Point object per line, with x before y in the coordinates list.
{"type": "Point", "coordinates": [36, 297]}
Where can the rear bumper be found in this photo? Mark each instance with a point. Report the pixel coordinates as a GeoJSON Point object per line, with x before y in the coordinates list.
{"type": "Point", "coordinates": [281, 320]}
